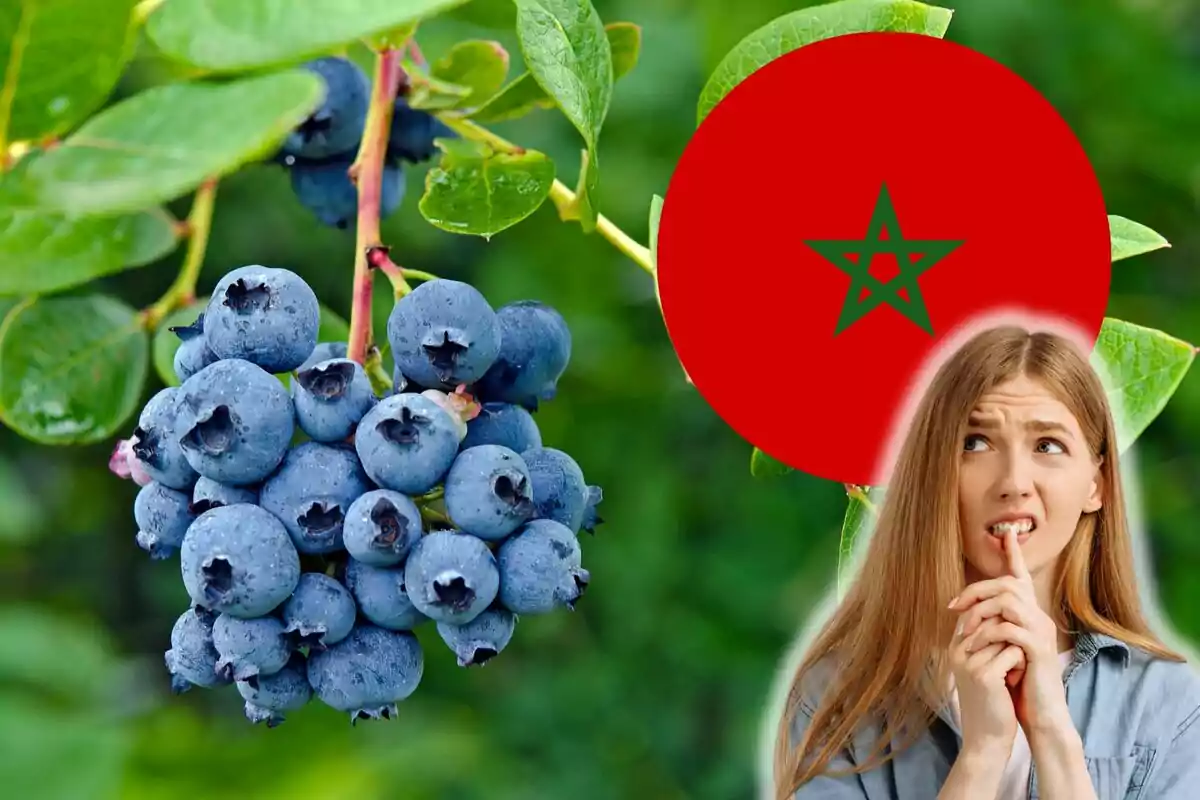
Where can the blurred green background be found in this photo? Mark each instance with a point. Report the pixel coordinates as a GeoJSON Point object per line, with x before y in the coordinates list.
{"type": "Point", "coordinates": [701, 575]}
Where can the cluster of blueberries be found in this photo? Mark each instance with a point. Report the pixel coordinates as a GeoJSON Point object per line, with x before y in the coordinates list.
{"type": "Point", "coordinates": [319, 152]}
{"type": "Point", "coordinates": [317, 524]}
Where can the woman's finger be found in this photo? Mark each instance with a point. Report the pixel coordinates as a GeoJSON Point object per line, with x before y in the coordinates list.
{"type": "Point", "coordinates": [982, 656]}
{"type": "Point", "coordinates": [1008, 659]}
{"type": "Point", "coordinates": [1004, 605]}
{"type": "Point", "coordinates": [1016, 559]}
{"type": "Point", "coordinates": [981, 590]}
{"type": "Point", "coordinates": [994, 630]}
{"type": "Point", "coordinates": [1014, 675]}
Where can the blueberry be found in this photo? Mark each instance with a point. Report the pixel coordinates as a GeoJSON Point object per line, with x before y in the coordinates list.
{"type": "Point", "coordinates": [193, 353]}
{"type": "Point", "coordinates": [208, 494]}
{"type": "Point", "coordinates": [319, 613]}
{"type": "Point", "coordinates": [590, 518]}
{"type": "Point", "coordinates": [162, 517]}
{"type": "Point", "coordinates": [560, 492]}
{"type": "Point", "coordinates": [406, 443]}
{"type": "Point", "coordinates": [443, 333]}
{"type": "Point", "coordinates": [330, 398]}
{"type": "Point", "coordinates": [323, 352]}
{"type": "Point", "coordinates": [156, 444]}
{"type": "Point", "coordinates": [451, 577]}
{"type": "Point", "coordinates": [540, 569]}
{"type": "Point", "coordinates": [272, 695]}
{"type": "Point", "coordinates": [192, 658]}
{"type": "Point", "coordinates": [480, 639]}
{"type": "Point", "coordinates": [250, 647]}
{"type": "Point", "coordinates": [488, 492]}
{"type": "Point", "coordinates": [264, 315]}
{"type": "Point", "coordinates": [368, 672]}
{"type": "Point", "coordinates": [236, 421]}
{"type": "Point", "coordinates": [336, 127]}
{"type": "Point", "coordinates": [503, 424]}
{"type": "Point", "coordinates": [413, 131]}
{"type": "Point", "coordinates": [311, 492]}
{"type": "Point", "coordinates": [381, 596]}
{"type": "Point", "coordinates": [325, 189]}
{"type": "Point", "coordinates": [399, 382]}
{"type": "Point", "coordinates": [381, 527]}
{"type": "Point", "coordinates": [534, 352]}
{"type": "Point", "coordinates": [239, 560]}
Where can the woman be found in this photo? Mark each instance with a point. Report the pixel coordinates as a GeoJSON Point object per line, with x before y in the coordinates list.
{"type": "Point", "coordinates": [1041, 678]}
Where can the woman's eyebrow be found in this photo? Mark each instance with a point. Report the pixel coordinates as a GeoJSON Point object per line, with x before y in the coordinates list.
{"type": "Point", "coordinates": [1038, 425]}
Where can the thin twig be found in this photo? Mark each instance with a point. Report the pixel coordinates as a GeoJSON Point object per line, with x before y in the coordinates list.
{"type": "Point", "coordinates": [197, 227]}
{"type": "Point", "coordinates": [367, 172]}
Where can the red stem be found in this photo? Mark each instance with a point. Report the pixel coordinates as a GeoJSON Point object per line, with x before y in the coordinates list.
{"type": "Point", "coordinates": [417, 56]}
{"type": "Point", "coordinates": [367, 172]}
{"type": "Point", "coordinates": [378, 258]}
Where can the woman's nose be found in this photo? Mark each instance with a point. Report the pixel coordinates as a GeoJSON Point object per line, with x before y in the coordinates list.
{"type": "Point", "coordinates": [1016, 479]}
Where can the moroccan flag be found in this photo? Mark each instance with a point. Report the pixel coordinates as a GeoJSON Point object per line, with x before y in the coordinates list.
{"type": "Point", "coordinates": [847, 210]}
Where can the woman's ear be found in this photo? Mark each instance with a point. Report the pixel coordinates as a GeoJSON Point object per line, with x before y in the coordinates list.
{"type": "Point", "coordinates": [1095, 499]}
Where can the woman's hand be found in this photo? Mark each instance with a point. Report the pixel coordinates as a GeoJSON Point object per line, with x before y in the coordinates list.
{"type": "Point", "coordinates": [1010, 604]}
{"type": "Point", "coordinates": [986, 707]}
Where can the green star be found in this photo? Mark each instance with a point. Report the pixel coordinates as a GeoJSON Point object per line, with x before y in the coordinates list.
{"type": "Point", "coordinates": [929, 252]}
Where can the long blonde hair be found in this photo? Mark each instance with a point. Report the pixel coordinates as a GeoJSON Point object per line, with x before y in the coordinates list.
{"type": "Point", "coordinates": [890, 634]}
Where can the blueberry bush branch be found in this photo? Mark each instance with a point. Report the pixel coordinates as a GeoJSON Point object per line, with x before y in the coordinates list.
{"type": "Point", "coordinates": [562, 196]}
{"type": "Point", "coordinates": [367, 173]}
{"type": "Point", "coordinates": [378, 258]}
{"type": "Point", "coordinates": [182, 291]}
{"type": "Point", "coordinates": [144, 9]}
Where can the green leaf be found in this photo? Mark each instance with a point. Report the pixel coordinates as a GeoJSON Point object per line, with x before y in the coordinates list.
{"type": "Point", "coordinates": [59, 60]}
{"type": "Point", "coordinates": [566, 49]}
{"type": "Point", "coordinates": [1141, 368]}
{"type": "Point", "coordinates": [232, 35]}
{"type": "Point", "coordinates": [165, 141]}
{"type": "Point", "coordinates": [515, 100]}
{"type": "Point", "coordinates": [475, 190]}
{"type": "Point", "coordinates": [394, 37]}
{"type": "Point", "coordinates": [1131, 238]}
{"type": "Point", "coordinates": [524, 94]}
{"type": "Point", "coordinates": [656, 205]}
{"type": "Point", "coordinates": [764, 466]}
{"type": "Point", "coordinates": [166, 343]}
{"type": "Point", "coordinates": [862, 511]}
{"type": "Point", "coordinates": [42, 253]}
{"type": "Point", "coordinates": [479, 66]}
{"type": "Point", "coordinates": [798, 28]}
{"type": "Point", "coordinates": [625, 41]}
{"type": "Point", "coordinates": [498, 15]}
{"type": "Point", "coordinates": [61, 703]}
{"type": "Point", "coordinates": [333, 327]}
{"type": "Point", "coordinates": [432, 94]}
{"type": "Point", "coordinates": [71, 368]}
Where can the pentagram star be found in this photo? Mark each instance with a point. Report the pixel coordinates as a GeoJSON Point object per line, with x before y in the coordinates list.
{"type": "Point", "coordinates": [928, 252]}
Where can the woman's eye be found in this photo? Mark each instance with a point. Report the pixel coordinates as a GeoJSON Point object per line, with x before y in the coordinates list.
{"type": "Point", "coordinates": [1051, 443]}
{"type": "Point", "coordinates": [972, 438]}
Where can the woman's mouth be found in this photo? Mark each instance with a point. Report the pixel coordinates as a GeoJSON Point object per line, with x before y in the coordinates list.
{"type": "Point", "coordinates": [1024, 527]}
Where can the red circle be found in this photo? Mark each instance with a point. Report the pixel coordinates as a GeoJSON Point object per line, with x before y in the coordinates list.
{"type": "Point", "coordinates": [799, 151]}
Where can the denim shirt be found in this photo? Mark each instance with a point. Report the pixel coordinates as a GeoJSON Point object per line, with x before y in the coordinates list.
{"type": "Point", "coordinates": [1135, 713]}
